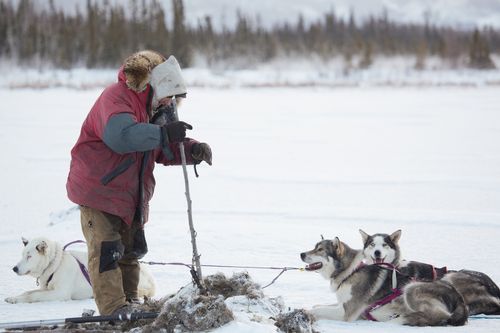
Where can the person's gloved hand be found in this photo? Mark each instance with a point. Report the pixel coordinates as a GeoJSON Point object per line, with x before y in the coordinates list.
{"type": "Point", "coordinates": [164, 114]}
{"type": "Point", "coordinates": [202, 152]}
{"type": "Point", "coordinates": [174, 131]}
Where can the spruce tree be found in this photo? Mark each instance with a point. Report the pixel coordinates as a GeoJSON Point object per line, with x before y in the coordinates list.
{"type": "Point", "coordinates": [180, 41]}
{"type": "Point", "coordinates": [479, 54]}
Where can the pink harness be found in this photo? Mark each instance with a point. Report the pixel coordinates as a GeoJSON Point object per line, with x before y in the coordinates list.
{"type": "Point", "coordinates": [387, 299]}
{"type": "Point", "coordinates": [395, 292]}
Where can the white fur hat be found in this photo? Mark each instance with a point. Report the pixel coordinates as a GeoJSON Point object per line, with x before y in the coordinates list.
{"type": "Point", "coordinates": [166, 80]}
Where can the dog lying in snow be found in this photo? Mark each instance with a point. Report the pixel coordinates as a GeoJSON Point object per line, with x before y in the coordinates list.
{"type": "Point", "coordinates": [374, 292]}
{"type": "Point", "coordinates": [59, 273]}
{"type": "Point", "coordinates": [480, 293]}
{"type": "Point", "coordinates": [384, 249]}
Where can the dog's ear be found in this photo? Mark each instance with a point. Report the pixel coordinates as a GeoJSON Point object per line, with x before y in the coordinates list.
{"type": "Point", "coordinates": [395, 236]}
{"type": "Point", "coordinates": [338, 247]}
{"type": "Point", "coordinates": [322, 238]}
{"type": "Point", "coordinates": [41, 247]}
{"type": "Point", "coordinates": [25, 241]}
{"type": "Point", "coordinates": [364, 235]}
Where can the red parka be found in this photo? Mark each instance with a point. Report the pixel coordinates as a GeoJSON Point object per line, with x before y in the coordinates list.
{"type": "Point", "coordinates": [104, 179]}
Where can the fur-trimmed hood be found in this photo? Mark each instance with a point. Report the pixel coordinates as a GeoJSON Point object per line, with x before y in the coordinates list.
{"type": "Point", "coordinates": [137, 68]}
{"type": "Point", "coordinates": [149, 67]}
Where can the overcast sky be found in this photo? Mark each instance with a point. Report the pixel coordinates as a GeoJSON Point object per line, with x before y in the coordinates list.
{"type": "Point", "coordinates": [450, 12]}
{"type": "Point", "coordinates": [457, 13]}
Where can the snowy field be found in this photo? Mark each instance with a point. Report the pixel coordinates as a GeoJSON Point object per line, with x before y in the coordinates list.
{"type": "Point", "coordinates": [290, 72]}
{"type": "Point", "coordinates": [289, 165]}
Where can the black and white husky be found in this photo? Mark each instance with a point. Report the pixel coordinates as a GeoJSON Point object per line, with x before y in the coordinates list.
{"type": "Point", "coordinates": [480, 293]}
{"type": "Point", "coordinates": [376, 293]}
{"type": "Point", "coordinates": [384, 249]}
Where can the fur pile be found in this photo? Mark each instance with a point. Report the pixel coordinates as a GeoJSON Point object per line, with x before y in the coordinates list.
{"type": "Point", "coordinates": [296, 321]}
{"type": "Point", "coordinates": [239, 284]}
{"type": "Point", "coordinates": [190, 311]}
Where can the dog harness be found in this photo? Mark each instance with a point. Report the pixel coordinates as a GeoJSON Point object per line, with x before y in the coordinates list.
{"type": "Point", "coordinates": [395, 292]}
{"type": "Point", "coordinates": [83, 269]}
{"type": "Point", "coordinates": [387, 299]}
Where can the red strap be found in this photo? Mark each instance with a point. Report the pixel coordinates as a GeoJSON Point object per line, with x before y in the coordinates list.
{"type": "Point", "coordinates": [387, 299]}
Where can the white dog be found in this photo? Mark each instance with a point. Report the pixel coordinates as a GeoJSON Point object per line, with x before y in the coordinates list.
{"type": "Point", "coordinates": [61, 274]}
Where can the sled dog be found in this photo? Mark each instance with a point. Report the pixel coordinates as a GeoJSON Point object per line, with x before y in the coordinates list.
{"type": "Point", "coordinates": [59, 273]}
{"type": "Point", "coordinates": [374, 292]}
{"type": "Point", "coordinates": [384, 249]}
{"type": "Point", "coordinates": [480, 293]}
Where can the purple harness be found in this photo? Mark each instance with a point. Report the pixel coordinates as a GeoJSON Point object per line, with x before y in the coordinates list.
{"type": "Point", "coordinates": [84, 270]}
{"type": "Point", "coordinates": [395, 292]}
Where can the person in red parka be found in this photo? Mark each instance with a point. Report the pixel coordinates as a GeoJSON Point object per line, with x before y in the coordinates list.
{"type": "Point", "coordinates": [111, 173]}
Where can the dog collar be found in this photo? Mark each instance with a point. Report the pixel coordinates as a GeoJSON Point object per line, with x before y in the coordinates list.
{"type": "Point", "coordinates": [48, 280]}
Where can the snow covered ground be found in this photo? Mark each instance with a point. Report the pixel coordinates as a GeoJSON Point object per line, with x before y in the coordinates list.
{"type": "Point", "coordinates": [281, 72]}
{"type": "Point", "coordinates": [289, 165]}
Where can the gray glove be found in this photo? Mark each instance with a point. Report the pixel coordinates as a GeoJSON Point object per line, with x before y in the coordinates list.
{"type": "Point", "coordinates": [174, 131]}
{"type": "Point", "coordinates": [202, 152]}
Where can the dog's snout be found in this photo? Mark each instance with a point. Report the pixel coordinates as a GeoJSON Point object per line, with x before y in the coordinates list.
{"type": "Point", "coordinates": [15, 269]}
{"type": "Point", "coordinates": [377, 253]}
{"type": "Point", "coordinates": [303, 255]}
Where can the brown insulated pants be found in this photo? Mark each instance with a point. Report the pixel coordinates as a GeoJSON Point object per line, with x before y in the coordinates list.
{"type": "Point", "coordinates": [114, 279]}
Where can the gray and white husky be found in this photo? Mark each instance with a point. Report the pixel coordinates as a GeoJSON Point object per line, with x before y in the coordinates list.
{"type": "Point", "coordinates": [480, 293]}
{"type": "Point", "coordinates": [376, 293]}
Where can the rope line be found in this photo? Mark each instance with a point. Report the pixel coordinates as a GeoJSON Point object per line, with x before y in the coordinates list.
{"type": "Point", "coordinates": [283, 269]}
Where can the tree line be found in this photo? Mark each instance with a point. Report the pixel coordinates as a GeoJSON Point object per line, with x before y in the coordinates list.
{"type": "Point", "coordinates": [102, 35]}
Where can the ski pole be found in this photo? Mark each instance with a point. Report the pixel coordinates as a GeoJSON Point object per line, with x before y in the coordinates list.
{"type": "Point", "coordinates": [77, 320]}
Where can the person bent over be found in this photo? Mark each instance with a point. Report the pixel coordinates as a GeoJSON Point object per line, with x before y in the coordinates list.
{"type": "Point", "coordinates": [131, 126]}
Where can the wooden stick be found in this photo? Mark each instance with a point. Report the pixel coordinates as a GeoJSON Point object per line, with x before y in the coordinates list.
{"type": "Point", "coordinates": [196, 257]}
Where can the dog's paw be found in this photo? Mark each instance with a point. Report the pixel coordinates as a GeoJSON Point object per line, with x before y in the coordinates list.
{"type": "Point", "coordinates": [12, 300]}
{"type": "Point", "coordinates": [330, 312]}
{"type": "Point", "coordinates": [325, 305]}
